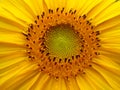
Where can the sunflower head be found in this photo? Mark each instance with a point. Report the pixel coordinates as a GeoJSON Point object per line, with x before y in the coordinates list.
{"type": "Point", "coordinates": [59, 44]}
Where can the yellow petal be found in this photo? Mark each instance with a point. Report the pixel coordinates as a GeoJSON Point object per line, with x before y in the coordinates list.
{"type": "Point", "coordinates": [100, 7]}
{"type": "Point", "coordinates": [35, 5]}
{"type": "Point", "coordinates": [107, 63]}
{"type": "Point", "coordinates": [81, 6]}
{"type": "Point", "coordinates": [16, 70]}
{"type": "Point", "coordinates": [110, 34]}
{"type": "Point", "coordinates": [49, 84]}
{"type": "Point", "coordinates": [76, 5]}
{"type": "Point", "coordinates": [88, 6]}
{"type": "Point", "coordinates": [110, 24]}
{"type": "Point", "coordinates": [27, 83]}
{"type": "Point", "coordinates": [97, 79]}
{"type": "Point", "coordinates": [110, 77]}
{"type": "Point", "coordinates": [11, 10]}
{"type": "Point", "coordinates": [111, 47]}
{"type": "Point", "coordinates": [84, 84]}
{"type": "Point", "coordinates": [9, 47]}
{"type": "Point", "coordinates": [59, 84]}
{"type": "Point", "coordinates": [41, 82]}
{"type": "Point", "coordinates": [111, 55]}
{"type": "Point", "coordinates": [110, 39]}
{"type": "Point", "coordinates": [10, 59]}
{"type": "Point", "coordinates": [10, 18]}
{"type": "Point", "coordinates": [18, 81]}
{"type": "Point", "coordinates": [12, 37]}
{"type": "Point", "coordinates": [55, 84]}
{"type": "Point", "coordinates": [112, 11]}
{"type": "Point", "coordinates": [72, 84]}
{"type": "Point", "coordinates": [10, 25]}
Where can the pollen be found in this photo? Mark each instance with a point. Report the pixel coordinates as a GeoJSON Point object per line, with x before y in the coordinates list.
{"type": "Point", "coordinates": [62, 43]}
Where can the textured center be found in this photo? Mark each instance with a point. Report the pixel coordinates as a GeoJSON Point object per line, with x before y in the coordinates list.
{"type": "Point", "coordinates": [62, 42]}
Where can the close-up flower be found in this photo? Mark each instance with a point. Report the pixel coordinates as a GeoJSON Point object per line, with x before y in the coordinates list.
{"type": "Point", "coordinates": [59, 44]}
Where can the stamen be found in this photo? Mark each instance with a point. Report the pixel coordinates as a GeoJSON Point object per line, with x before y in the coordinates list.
{"type": "Point", "coordinates": [74, 11]}
{"type": "Point", "coordinates": [84, 16]}
{"type": "Point", "coordinates": [38, 17]}
{"type": "Point", "coordinates": [57, 9]}
{"type": "Point", "coordinates": [62, 10]}
{"type": "Point", "coordinates": [36, 21]}
{"type": "Point", "coordinates": [70, 11]}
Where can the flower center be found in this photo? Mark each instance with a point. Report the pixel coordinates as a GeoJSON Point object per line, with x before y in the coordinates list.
{"type": "Point", "coordinates": [62, 43]}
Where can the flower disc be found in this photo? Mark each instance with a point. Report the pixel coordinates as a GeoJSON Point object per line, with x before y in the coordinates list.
{"type": "Point", "coordinates": [62, 47]}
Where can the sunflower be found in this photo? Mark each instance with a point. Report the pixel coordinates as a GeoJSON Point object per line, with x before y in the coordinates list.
{"type": "Point", "coordinates": [59, 44]}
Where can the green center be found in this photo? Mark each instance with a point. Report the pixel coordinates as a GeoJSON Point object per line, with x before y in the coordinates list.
{"type": "Point", "coordinates": [62, 42]}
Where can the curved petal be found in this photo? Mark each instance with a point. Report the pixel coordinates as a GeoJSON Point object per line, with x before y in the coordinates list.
{"type": "Point", "coordinates": [12, 37]}
{"type": "Point", "coordinates": [72, 84]}
{"type": "Point", "coordinates": [11, 59]}
{"type": "Point", "coordinates": [56, 84]}
{"type": "Point", "coordinates": [109, 25]}
{"type": "Point", "coordinates": [16, 70]}
{"type": "Point", "coordinates": [108, 63]}
{"type": "Point", "coordinates": [26, 83]}
{"type": "Point", "coordinates": [41, 82]}
{"type": "Point", "coordinates": [84, 84]}
{"type": "Point", "coordinates": [112, 11]}
{"type": "Point", "coordinates": [97, 79]}
{"type": "Point", "coordinates": [10, 9]}
{"type": "Point", "coordinates": [99, 8]}
{"type": "Point", "coordinates": [110, 77]}
{"type": "Point", "coordinates": [36, 6]}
